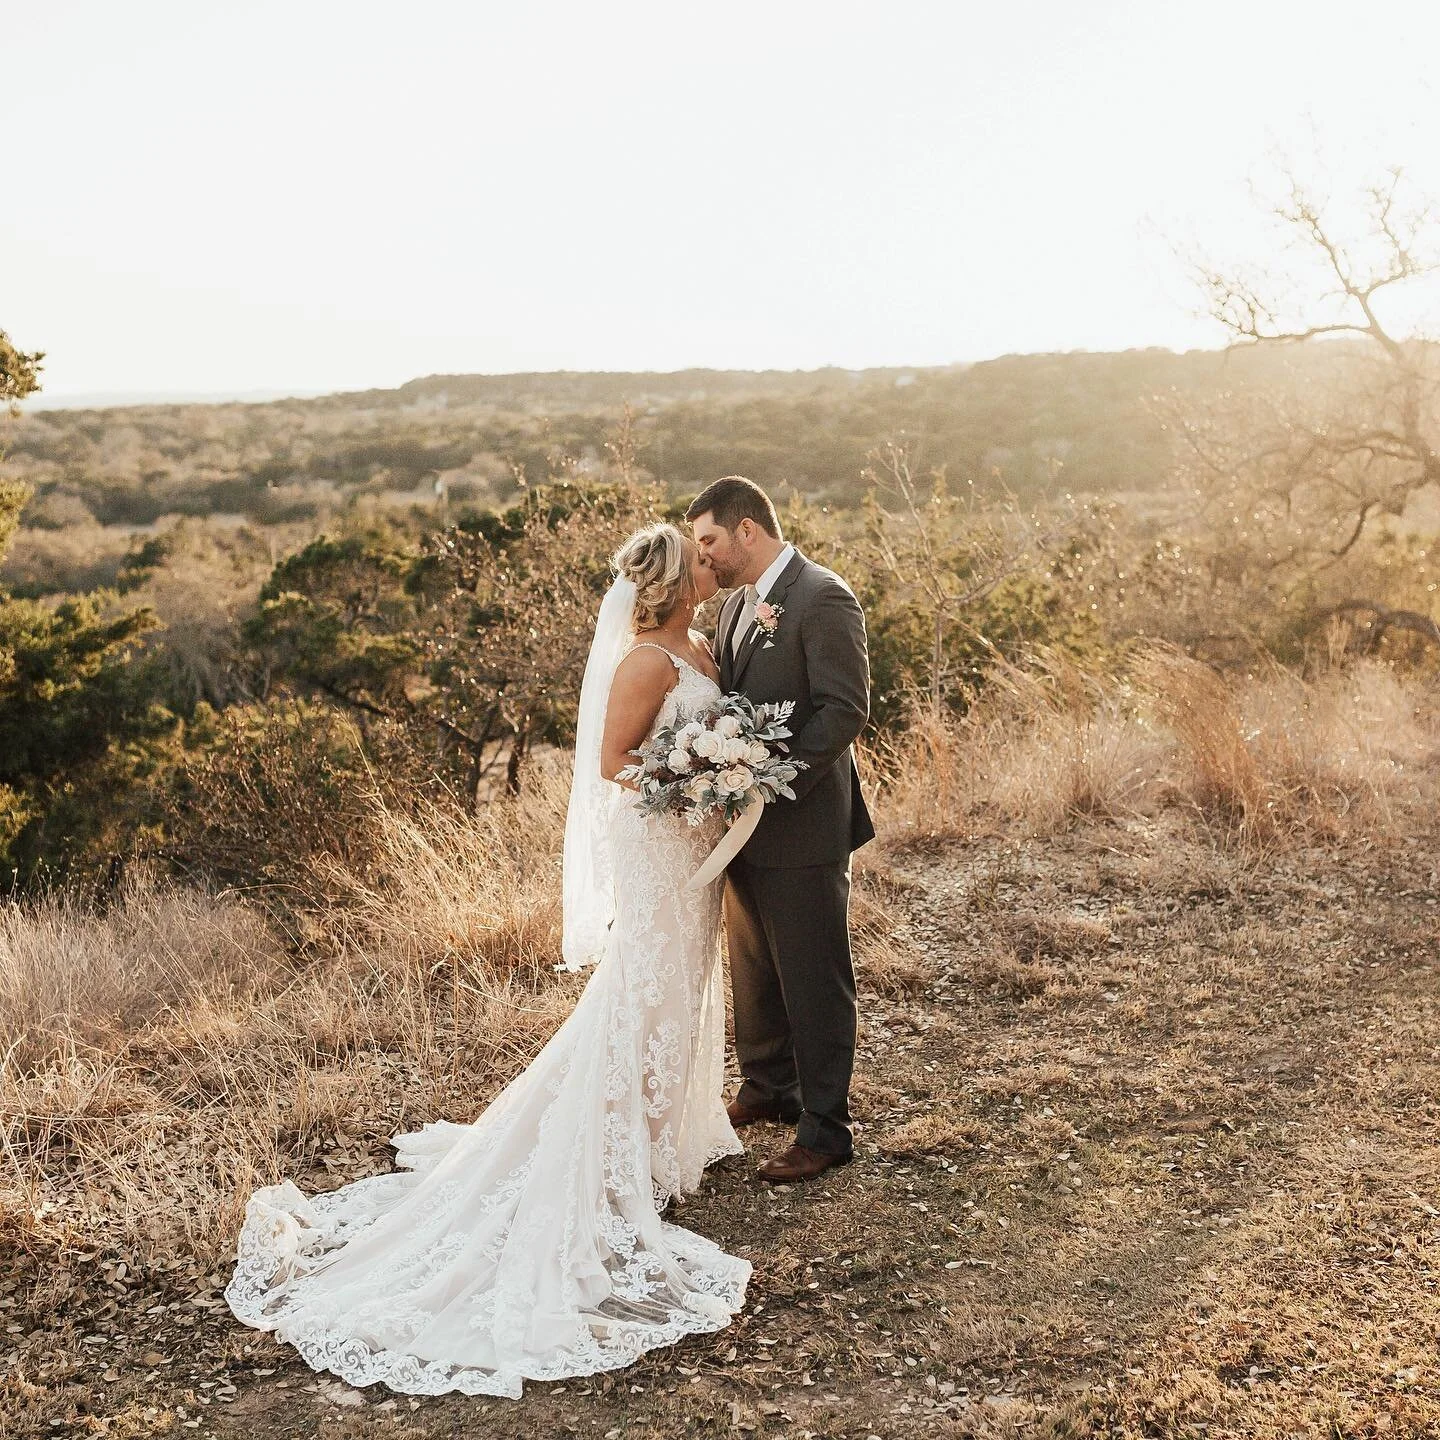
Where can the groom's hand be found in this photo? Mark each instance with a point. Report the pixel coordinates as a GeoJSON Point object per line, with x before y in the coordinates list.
{"type": "Point", "coordinates": [837, 660]}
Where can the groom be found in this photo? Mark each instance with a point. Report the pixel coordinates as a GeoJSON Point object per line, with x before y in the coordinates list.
{"type": "Point", "coordinates": [792, 631]}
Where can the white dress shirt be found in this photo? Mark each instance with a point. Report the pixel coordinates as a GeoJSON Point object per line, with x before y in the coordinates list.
{"type": "Point", "coordinates": [756, 593]}
{"type": "Point", "coordinates": [767, 581]}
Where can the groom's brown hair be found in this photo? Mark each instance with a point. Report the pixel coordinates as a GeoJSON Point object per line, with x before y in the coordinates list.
{"type": "Point", "coordinates": [732, 499]}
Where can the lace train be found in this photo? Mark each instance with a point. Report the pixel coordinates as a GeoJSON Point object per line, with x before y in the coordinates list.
{"type": "Point", "coordinates": [529, 1245]}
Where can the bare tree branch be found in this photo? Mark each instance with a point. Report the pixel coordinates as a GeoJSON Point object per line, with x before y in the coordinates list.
{"type": "Point", "coordinates": [1289, 478]}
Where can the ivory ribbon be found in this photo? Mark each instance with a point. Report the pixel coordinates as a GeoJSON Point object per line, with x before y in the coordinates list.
{"type": "Point", "coordinates": [735, 837]}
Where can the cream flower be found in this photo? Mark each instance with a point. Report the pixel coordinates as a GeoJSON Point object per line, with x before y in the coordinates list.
{"type": "Point", "coordinates": [728, 726]}
{"type": "Point", "coordinates": [707, 745]}
{"type": "Point", "coordinates": [734, 781]}
{"type": "Point", "coordinates": [695, 788]}
{"type": "Point", "coordinates": [678, 760]}
{"type": "Point", "coordinates": [736, 750]}
{"type": "Point", "coordinates": [757, 752]}
{"type": "Point", "coordinates": [687, 733]}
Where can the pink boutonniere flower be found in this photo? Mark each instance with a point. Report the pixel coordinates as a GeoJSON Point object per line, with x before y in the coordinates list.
{"type": "Point", "coordinates": [767, 616]}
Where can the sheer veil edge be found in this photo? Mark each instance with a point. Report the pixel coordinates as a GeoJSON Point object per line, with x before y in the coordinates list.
{"type": "Point", "coordinates": [589, 863]}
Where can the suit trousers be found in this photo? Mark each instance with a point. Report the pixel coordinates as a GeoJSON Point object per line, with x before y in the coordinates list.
{"type": "Point", "coordinates": [793, 983]}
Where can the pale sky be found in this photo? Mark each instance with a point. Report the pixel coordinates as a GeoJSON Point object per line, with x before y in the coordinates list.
{"type": "Point", "coordinates": [331, 194]}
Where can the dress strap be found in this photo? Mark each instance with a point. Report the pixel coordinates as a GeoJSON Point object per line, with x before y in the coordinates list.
{"type": "Point", "coordinates": [675, 660]}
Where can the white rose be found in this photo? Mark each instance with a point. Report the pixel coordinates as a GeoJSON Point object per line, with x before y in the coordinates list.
{"type": "Point", "coordinates": [757, 753]}
{"type": "Point", "coordinates": [695, 789]}
{"type": "Point", "coordinates": [728, 726]}
{"type": "Point", "coordinates": [678, 761]}
{"type": "Point", "coordinates": [687, 733]}
{"type": "Point", "coordinates": [707, 745]}
{"type": "Point", "coordinates": [736, 750]}
{"type": "Point", "coordinates": [734, 781]}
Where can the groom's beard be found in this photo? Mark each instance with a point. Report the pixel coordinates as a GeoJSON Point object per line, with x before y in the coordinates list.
{"type": "Point", "coordinates": [731, 573]}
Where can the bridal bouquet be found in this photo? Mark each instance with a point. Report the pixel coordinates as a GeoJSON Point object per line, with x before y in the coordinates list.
{"type": "Point", "coordinates": [730, 755]}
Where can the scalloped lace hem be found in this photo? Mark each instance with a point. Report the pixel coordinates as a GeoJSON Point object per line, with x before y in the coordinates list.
{"type": "Point", "coordinates": [359, 1365]}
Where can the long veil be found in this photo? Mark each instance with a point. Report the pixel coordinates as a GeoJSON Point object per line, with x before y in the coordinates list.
{"type": "Point", "coordinates": [589, 868]}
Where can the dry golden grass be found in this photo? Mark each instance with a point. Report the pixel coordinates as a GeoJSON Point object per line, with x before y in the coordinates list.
{"type": "Point", "coordinates": [1261, 758]}
{"type": "Point", "coordinates": [1217, 771]}
{"type": "Point", "coordinates": [1358, 737]}
{"type": "Point", "coordinates": [478, 891]}
{"type": "Point", "coordinates": [73, 979]}
{"type": "Point", "coordinates": [1043, 745]}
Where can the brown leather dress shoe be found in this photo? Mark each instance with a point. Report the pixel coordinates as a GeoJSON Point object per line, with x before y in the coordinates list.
{"type": "Point", "coordinates": [743, 1115]}
{"type": "Point", "coordinates": [799, 1163]}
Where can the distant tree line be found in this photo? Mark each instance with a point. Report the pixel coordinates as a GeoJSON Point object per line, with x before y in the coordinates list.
{"type": "Point", "coordinates": [1036, 425]}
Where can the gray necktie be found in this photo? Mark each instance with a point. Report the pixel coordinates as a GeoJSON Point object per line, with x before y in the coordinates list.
{"type": "Point", "coordinates": [746, 620]}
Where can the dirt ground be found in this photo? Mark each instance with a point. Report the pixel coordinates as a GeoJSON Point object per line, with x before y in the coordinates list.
{"type": "Point", "coordinates": [1146, 1148]}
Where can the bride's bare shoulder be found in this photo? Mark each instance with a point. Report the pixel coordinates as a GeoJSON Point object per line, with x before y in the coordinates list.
{"type": "Point", "coordinates": [646, 666]}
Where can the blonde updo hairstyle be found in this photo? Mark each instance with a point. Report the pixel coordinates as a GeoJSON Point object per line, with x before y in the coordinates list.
{"type": "Point", "coordinates": [657, 561]}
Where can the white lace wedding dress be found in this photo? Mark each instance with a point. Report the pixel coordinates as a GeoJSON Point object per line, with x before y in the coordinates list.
{"type": "Point", "coordinates": [528, 1245]}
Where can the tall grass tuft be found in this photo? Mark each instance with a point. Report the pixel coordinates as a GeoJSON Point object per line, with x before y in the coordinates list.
{"type": "Point", "coordinates": [1261, 758]}
{"type": "Point", "coordinates": [1044, 744]}
{"type": "Point", "coordinates": [437, 883]}
{"type": "Point", "coordinates": [72, 978]}
{"type": "Point", "coordinates": [1218, 772]}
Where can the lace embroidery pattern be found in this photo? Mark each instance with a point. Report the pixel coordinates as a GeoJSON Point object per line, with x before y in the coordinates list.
{"type": "Point", "coordinates": [529, 1245]}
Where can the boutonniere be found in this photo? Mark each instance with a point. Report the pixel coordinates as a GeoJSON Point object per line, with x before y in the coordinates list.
{"type": "Point", "coordinates": [767, 617]}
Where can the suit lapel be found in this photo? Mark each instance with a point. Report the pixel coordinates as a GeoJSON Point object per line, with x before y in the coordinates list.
{"type": "Point", "coordinates": [777, 594]}
{"type": "Point", "coordinates": [747, 648]}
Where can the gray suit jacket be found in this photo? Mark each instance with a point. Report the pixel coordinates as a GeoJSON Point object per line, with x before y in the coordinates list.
{"type": "Point", "coordinates": [817, 658]}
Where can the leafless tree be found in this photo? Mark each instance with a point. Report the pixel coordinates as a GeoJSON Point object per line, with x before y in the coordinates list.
{"type": "Point", "coordinates": [1294, 473]}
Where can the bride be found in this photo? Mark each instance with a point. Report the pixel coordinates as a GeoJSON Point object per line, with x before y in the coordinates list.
{"type": "Point", "coordinates": [528, 1245]}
